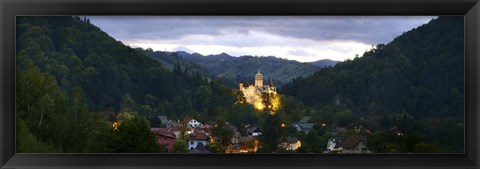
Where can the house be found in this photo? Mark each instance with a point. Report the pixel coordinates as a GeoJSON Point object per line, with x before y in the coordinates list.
{"type": "Point", "coordinates": [191, 122]}
{"type": "Point", "coordinates": [254, 131]}
{"type": "Point", "coordinates": [200, 149]}
{"type": "Point", "coordinates": [337, 130]}
{"type": "Point", "coordinates": [303, 124]}
{"type": "Point", "coordinates": [175, 129]}
{"type": "Point", "coordinates": [236, 140]}
{"type": "Point", "coordinates": [355, 144]}
{"type": "Point", "coordinates": [241, 144]}
{"type": "Point", "coordinates": [304, 127]}
{"type": "Point", "coordinates": [206, 128]}
{"type": "Point", "coordinates": [164, 120]}
{"type": "Point", "coordinates": [289, 143]}
{"type": "Point", "coordinates": [165, 137]}
{"type": "Point", "coordinates": [195, 138]}
{"type": "Point", "coordinates": [335, 145]}
{"type": "Point", "coordinates": [233, 128]}
{"type": "Point", "coordinates": [362, 128]}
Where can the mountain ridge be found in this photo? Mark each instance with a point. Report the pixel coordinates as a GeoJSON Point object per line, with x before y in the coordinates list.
{"type": "Point", "coordinates": [242, 68]}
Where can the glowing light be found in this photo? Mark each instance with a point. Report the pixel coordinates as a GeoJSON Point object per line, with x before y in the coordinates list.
{"type": "Point", "coordinates": [323, 124]}
{"type": "Point", "coordinates": [283, 124]}
{"type": "Point", "coordinates": [115, 125]}
{"type": "Point", "coordinates": [259, 105]}
{"type": "Point", "coordinates": [275, 102]}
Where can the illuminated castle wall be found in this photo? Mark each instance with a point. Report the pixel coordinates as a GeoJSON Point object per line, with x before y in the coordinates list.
{"type": "Point", "coordinates": [253, 93]}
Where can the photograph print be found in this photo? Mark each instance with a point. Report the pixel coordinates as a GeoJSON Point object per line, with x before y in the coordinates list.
{"type": "Point", "coordinates": [240, 84]}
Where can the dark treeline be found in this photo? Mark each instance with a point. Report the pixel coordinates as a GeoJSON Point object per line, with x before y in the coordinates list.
{"type": "Point", "coordinates": [414, 83]}
{"type": "Point", "coordinates": [73, 80]}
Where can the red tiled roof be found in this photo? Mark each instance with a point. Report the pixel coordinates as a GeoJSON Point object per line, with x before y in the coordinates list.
{"type": "Point", "coordinates": [352, 141]}
{"type": "Point", "coordinates": [197, 135]}
{"type": "Point", "coordinates": [163, 132]}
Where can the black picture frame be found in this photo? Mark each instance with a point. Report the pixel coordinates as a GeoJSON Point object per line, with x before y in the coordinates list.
{"type": "Point", "coordinates": [9, 9]}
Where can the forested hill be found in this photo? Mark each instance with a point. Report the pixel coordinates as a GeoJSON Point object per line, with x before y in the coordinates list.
{"type": "Point", "coordinates": [243, 68]}
{"type": "Point", "coordinates": [172, 59]}
{"type": "Point", "coordinates": [324, 63]}
{"type": "Point", "coordinates": [111, 75]}
{"type": "Point", "coordinates": [420, 73]}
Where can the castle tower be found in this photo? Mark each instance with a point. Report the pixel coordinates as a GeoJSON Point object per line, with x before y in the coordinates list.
{"type": "Point", "coordinates": [258, 79]}
{"type": "Point", "coordinates": [271, 83]}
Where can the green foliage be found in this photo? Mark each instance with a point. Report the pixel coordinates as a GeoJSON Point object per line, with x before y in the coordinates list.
{"type": "Point", "coordinates": [428, 148]}
{"type": "Point", "coordinates": [215, 147]}
{"type": "Point", "coordinates": [404, 84]}
{"type": "Point", "coordinates": [180, 146]}
{"type": "Point", "coordinates": [134, 136]}
{"type": "Point", "coordinates": [67, 69]}
{"type": "Point", "coordinates": [343, 118]}
{"type": "Point", "coordinates": [420, 72]}
{"type": "Point", "coordinates": [266, 148]}
{"type": "Point", "coordinates": [313, 143]}
{"type": "Point", "coordinates": [271, 131]}
{"type": "Point", "coordinates": [222, 132]}
{"type": "Point", "coordinates": [27, 143]}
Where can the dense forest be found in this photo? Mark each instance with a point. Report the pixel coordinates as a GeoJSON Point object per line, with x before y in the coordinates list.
{"type": "Point", "coordinates": [74, 81]}
{"type": "Point", "coordinates": [415, 83]}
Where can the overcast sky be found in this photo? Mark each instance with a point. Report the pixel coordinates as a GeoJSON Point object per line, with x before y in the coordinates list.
{"type": "Point", "coordinates": [301, 38]}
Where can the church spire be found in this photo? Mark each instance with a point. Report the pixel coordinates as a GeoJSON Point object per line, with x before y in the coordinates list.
{"type": "Point", "coordinates": [271, 83]}
{"type": "Point", "coordinates": [258, 79]}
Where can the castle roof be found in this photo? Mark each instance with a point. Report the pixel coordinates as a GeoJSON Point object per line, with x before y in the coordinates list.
{"type": "Point", "coordinates": [258, 73]}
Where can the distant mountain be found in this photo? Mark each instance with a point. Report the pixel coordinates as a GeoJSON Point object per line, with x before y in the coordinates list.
{"type": "Point", "coordinates": [324, 63]}
{"type": "Point", "coordinates": [185, 60]}
{"type": "Point", "coordinates": [243, 68]}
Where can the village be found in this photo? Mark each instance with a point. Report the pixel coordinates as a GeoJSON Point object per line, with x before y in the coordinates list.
{"type": "Point", "coordinates": [199, 137]}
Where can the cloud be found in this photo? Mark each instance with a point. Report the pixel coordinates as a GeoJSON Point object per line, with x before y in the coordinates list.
{"type": "Point", "coordinates": [293, 37]}
{"type": "Point", "coordinates": [366, 29]}
{"type": "Point", "coordinates": [298, 52]}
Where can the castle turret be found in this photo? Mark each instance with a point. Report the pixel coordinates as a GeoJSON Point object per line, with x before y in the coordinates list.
{"type": "Point", "coordinates": [241, 86]}
{"type": "Point", "coordinates": [258, 79]}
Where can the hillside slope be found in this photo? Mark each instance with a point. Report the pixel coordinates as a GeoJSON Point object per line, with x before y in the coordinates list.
{"type": "Point", "coordinates": [419, 72]}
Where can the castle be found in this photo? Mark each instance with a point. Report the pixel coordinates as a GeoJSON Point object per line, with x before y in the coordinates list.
{"type": "Point", "coordinates": [253, 93]}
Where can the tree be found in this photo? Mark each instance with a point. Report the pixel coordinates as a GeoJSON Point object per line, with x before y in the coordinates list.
{"type": "Point", "coordinates": [146, 110]}
{"type": "Point", "coordinates": [222, 132]}
{"type": "Point", "coordinates": [27, 143]}
{"type": "Point", "coordinates": [180, 146]}
{"type": "Point", "coordinates": [271, 131]}
{"type": "Point", "coordinates": [265, 149]}
{"type": "Point", "coordinates": [315, 142]}
{"type": "Point", "coordinates": [343, 118]}
{"type": "Point", "coordinates": [128, 104]}
{"type": "Point", "coordinates": [423, 147]}
{"type": "Point", "coordinates": [155, 122]}
{"type": "Point", "coordinates": [134, 136]}
{"type": "Point", "coordinates": [215, 147]}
